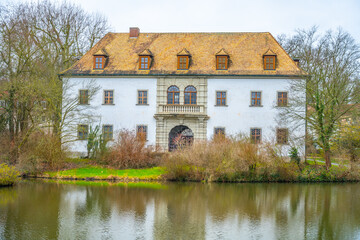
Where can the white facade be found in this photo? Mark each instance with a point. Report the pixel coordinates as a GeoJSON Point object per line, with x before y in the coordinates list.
{"type": "Point", "coordinates": [125, 113]}
{"type": "Point", "coordinates": [237, 116]}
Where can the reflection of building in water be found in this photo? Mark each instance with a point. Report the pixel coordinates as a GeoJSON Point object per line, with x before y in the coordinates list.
{"type": "Point", "coordinates": [180, 214]}
{"type": "Point", "coordinates": [110, 212]}
{"type": "Point", "coordinates": [182, 211]}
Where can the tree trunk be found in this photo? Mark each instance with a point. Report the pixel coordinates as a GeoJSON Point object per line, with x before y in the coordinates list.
{"type": "Point", "coordinates": [11, 115]}
{"type": "Point", "coordinates": [327, 159]}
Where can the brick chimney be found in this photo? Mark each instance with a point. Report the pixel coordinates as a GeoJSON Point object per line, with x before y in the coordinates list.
{"type": "Point", "coordinates": [297, 61]}
{"type": "Point", "coordinates": [134, 32]}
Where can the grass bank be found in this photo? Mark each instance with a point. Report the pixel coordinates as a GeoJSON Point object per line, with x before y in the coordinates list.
{"type": "Point", "coordinates": [8, 175]}
{"type": "Point", "coordinates": [104, 183]}
{"type": "Point", "coordinates": [103, 173]}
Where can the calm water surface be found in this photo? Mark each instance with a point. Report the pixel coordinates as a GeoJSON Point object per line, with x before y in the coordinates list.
{"type": "Point", "coordinates": [53, 210]}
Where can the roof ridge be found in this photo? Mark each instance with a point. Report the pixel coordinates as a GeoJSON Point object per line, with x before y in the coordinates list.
{"type": "Point", "coordinates": [192, 32]}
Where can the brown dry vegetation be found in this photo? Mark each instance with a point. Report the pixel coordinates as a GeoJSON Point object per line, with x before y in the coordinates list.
{"type": "Point", "coordinates": [129, 151]}
{"type": "Point", "coordinates": [237, 160]}
{"type": "Point", "coordinates": [222, 159]}
{"type": "Point", "coordinates": [39, 153]}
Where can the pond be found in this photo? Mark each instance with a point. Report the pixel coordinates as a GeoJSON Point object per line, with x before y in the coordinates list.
{"type": "Point", "coordinates": [82, 210]}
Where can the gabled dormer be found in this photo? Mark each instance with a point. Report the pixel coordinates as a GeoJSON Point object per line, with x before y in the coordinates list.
{"type": "Point", "coordinates": [145, 58]}
{"type": "Point", "coordinates": [222, 60]}
{"type": "Point", "coordinates": [269, 59]}
{"type": "Point", "coordinates": [100, 59]}
{"type": "Point", "coordinates": [183, 59]}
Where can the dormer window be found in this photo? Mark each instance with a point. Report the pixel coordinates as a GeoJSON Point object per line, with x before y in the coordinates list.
{"type": "Point", "coordinates": [269, 60]}
{"type": "Point", "coordinates": [222, 60]}
{"type": "Point", "coordinates": [145, 60]}
{"type": "Point", "coordinates": [183, 60]}
{"type": "Point", "coordinates": [100, 59]}
{"type": "Point", "coordinates": [99, 62]}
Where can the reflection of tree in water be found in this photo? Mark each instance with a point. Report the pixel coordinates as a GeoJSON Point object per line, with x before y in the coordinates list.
{"type": "Point", "coordinates": [185, 211]}
{"type": "Point", "coordinates": [36, 208]}
{"type": "Point", "coordinates": [7, 195]}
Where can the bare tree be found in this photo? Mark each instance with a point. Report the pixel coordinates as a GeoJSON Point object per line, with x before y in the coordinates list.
{"type": "Point", "coordinates": [37, 42]}
{"type": "Point", "coordinates": [332, 86]}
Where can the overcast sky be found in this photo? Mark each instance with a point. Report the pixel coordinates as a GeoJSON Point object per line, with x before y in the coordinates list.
{"type": "Point", "coordinates": [275, 16]}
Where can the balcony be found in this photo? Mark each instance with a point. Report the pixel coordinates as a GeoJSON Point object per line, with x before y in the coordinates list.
{"type": "Point", "coordinates": [182, 109]}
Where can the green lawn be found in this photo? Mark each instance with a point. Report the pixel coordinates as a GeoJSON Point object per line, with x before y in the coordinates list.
{"type": "Point", "coordinates": [100, 183]}
{"type": "Point", "coordinates": [101, 173]}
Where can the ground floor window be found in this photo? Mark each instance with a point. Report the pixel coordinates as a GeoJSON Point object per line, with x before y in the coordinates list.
{"type": "Point", "coordinates": [282, 136]}
{"type": "Point", "coordinates": [141, 132]}
{"type": "Point", "coordinates": [255, 135]}
{"type": "Point", "coordinates": [108, 132]}
{"type": "Point", "coordinates": [83, 130]}
{"type": "Point", "coordinates": [219, 131]}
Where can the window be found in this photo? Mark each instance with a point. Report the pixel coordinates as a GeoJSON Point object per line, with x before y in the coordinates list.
{"type": "Point", "coordinates": [142, 97]}
{"type": "Point", "coordinates": [144, 62]}
{"type": "Point", "coordinates": [43, 104]}
{"type": "Point", "coordinates": [183, 62]}
{"type": "Point", "coordinates": [141, 132]}
{"type": "Point", "coordinates": [255, 98]}
{"type": "Point", "coordinates": [255, 135]}
{"type": "Point", "coordinates": [84, 97]}
{"type": "Point", "coordinates": [282, 136]}
{"type": "Point", "coordinates": [108, 132]}
{"type": "Point", "coordinates": [190, 95]}
{"type": "Point", "coordinates": [269, 62]}
{"type": "Point", "coordinates": [221, 62]}
{"type": "Point", "coordinates": [219, 130]}
{"type": "Point", "coordinates": [99, 62]}
{"type": "Point", "coordinates": [108, 97]}
{"type": "Point", "coordinates": [83, 132]}
{"type": "Point", "coordinates": [282, 99]}
{"type": "Point", "coordinates": [2, 104]}
{"type": "Point", "coordinates": [221, 98]}
{"type": "Point", "coordinates": [173, 95]}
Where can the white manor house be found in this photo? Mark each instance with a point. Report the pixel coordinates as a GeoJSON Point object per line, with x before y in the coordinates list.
{"type": "Point", "coordinates": [192, 85]}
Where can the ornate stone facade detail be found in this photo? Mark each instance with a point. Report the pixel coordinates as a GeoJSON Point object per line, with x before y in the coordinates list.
{"type": "Point", "coordinates": [169, 116]}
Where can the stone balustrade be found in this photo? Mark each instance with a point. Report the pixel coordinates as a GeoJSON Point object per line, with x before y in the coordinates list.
{"type": "Point", "coordinates": [181, 109]}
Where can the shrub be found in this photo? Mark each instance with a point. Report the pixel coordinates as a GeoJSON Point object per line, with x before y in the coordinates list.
{"type": "Point", "coordinates": [130, 151]}
{"type": "Point", "coordinates": [41, 152]}
{"type": "Point", "coordinates": [221, 159]}
{"type": "Point", "coordinates": [96, 143]}
{"type": "Point", "coordinates": [286, 172]}
{"type": "Point", "coordinates": [8, 175]}
{"type": "Point", "coordinates": [347, 140]}
{"type": "Point", "coordinates": [294, 155]}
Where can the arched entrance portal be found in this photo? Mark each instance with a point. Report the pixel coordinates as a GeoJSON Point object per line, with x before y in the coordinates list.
{"type": "Point", "coordinates": [180, 136]}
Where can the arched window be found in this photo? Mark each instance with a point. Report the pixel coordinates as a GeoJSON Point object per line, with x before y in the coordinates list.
{"type": "Point", "coordinates": [190, 95]}
{"type": "Point", "coordinates": [173, 94]}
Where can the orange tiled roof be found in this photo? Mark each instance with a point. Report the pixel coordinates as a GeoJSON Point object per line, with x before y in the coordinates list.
{"type": "Point", "coordinates": [245, 50]}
